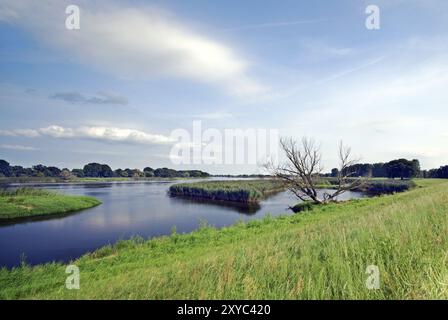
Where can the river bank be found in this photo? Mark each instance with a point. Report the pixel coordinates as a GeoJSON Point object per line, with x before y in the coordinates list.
{"type": "Point", "coordinates": [323, 253]}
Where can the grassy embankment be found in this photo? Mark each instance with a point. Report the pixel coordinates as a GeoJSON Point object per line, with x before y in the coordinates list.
{"type": "Point", "coordinates": [245, 191]}
{"type": "Point", "coordinates": [25, 203]}
{"type": "Point", "coordinates": [319, 254]}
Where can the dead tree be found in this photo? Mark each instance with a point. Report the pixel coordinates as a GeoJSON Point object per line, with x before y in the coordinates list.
{"type": "Point", "coordinates": [302, 172]}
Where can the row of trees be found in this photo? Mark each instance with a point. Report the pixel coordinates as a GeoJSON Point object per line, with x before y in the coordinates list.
{"type": "Point", "coordinates": [400, 168]}
{"type": "Point", "coordinates": [94, 170]}
{"type": "Point", "coordinates": [441, 173]}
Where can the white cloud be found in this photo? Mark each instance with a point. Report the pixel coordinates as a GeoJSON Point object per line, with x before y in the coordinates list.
{"type": "Point", "coordinates": [17, 147]}
{"type": "Point", "coordinates": [28, 133]}
{"type": "Point", "coordinates": [134, 43]}
{"type": "Point", "coordinates": [108, 134]}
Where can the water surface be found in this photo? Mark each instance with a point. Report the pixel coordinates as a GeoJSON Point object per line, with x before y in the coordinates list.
{"type": "Point", "coordinates": [128, 209]}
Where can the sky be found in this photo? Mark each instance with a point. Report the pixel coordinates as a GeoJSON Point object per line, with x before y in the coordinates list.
{"type": "Point", "coordinates": [115, 90]}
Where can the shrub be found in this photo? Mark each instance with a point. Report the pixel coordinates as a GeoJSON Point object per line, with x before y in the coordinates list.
{"type": "Point", "coordinates": [303, 206]}
{"type": "Point", "coordinates": [378, 187]}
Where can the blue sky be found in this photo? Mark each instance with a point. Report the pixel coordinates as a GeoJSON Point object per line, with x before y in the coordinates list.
{"type": "Point", "coordinates": [114, 90]}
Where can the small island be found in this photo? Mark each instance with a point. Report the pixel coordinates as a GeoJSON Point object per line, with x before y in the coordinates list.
{"type": "Point", "coordinates": [26, 203]}
{"type": "Point", "coordinates": [242, 191]}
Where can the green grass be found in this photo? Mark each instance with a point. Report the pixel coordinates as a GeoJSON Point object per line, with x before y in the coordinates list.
{"type": "Point", "coordinates": [303, 206]}
{"type": "Point", "coordinates": [27, 202]}
{"type": "Point", "coordinates": [244, 191]}
{"type": "Point", "coordinates": [320, 254]}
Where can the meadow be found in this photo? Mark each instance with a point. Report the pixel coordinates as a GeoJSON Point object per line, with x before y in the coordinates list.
{"type": "Point", "coordinates": [25, 203]}
{"type": "Point", "coordinates": [319, 254]}
{"type": "Point", "coordinates": [245, 191]}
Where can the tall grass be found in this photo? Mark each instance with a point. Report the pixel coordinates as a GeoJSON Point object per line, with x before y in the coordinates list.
{"type": "Point", "coordinates": [236, 190]}
{"type": "Point", "coordinates": [24, 203]}
{"type": "Point", "coordinates": [25, 191]}
{"type": "Point", "coordinates": [388, 186]}
{"type": "Point", "coordinates": [376, 186]}
{"type": "Point", "coordinates": [318, 255]}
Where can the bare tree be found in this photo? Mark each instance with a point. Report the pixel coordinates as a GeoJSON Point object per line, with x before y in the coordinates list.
{"type": "Point", "coordinates": [302, 173]}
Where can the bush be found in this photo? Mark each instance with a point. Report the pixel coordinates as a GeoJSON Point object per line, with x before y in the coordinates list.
{"type": "Point", "coordinates": [303, 206]}
{"type": "Point", "coordinates": [388, 186]}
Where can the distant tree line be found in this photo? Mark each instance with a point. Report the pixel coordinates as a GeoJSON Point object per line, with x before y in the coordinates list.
{"type": "Point", "coordinates": [400, 168]}
{"type": "Point", "coordinates": [441, 173]}
{"type": "Point", "coordinates": [95, 170]}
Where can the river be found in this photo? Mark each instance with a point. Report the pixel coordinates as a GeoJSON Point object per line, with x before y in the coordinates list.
{"type": "Point", "coordinates": [128, 209]}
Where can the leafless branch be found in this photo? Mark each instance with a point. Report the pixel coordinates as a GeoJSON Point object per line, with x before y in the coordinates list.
{"type": "Point", "coordinates": [303, 170]}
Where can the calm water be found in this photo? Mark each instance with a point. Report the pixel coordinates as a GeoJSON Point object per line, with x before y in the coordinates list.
{"type": "Point", "coordinates": [128, 209]}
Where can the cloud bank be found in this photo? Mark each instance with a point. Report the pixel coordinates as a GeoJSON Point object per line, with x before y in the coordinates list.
{"type": "Point", "coordinates": [133, 43]}
{"type": "Point", "coordinates": [106, 134]}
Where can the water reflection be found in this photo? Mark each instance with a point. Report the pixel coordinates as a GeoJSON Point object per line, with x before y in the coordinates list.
{"type": "Point", "coordinates": [244, 208]}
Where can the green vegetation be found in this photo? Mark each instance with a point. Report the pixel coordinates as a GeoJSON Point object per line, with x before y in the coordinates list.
{"type": "Point", "coordinates": [303, 206]}
{"type": "Point", "coordinates": [40, 172]}
{"type": "Point", "coordinates": [388, 186]}
{"type": "Point", "coordinates": [440, 173]}
{"type": "Point", "coordinates": [321, 253]}
{"type": "Point", "coordinates": [375, 186]}
{"type": "Point", "coordinates": [28, 202]}
{"type": "Point", "coordinates": [236, 190]}
{"type": "Point", "coordinates": [399, 168]}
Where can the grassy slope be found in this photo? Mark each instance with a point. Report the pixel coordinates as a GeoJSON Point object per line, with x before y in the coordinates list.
{"type": "Point", "coordinates": [323, 254]}
{"type": "Point", "coordinates": [35, 203]}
